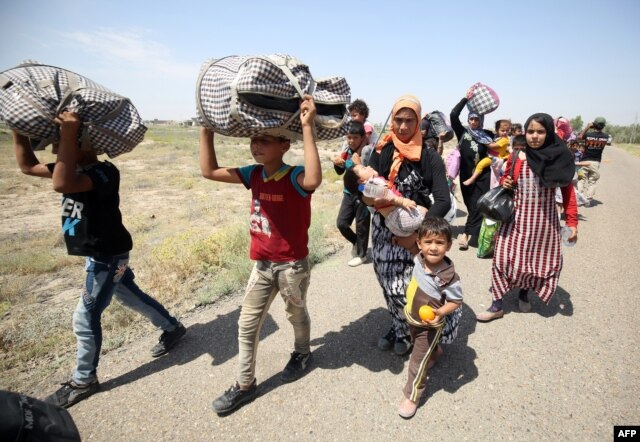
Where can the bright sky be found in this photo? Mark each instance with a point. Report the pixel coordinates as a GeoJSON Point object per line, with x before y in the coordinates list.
{"type": "Point", "coordinates": [566, 58]}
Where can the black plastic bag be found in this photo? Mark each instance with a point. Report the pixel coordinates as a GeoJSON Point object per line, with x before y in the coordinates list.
{"type": "Point", "coordinates": [497, 204]}
{"type": "Point", "coordinates": [23, 418]}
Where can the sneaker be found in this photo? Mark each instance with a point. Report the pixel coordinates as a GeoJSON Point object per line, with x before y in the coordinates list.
{"type": "Point", "coordinates": [386, 342]}
{"type": "Point", "coordinates": [168, 340]}
{"type": "Point", "coordinates": [402, 346]}
{"type": "Point", "coordinates": [358, 260]}
{"type": "Point", "coordinates": [296, 367]}
{"type": "Point", "coordinates": [71, 393]}
{"type": "Point", "coordinates": [234, 397]}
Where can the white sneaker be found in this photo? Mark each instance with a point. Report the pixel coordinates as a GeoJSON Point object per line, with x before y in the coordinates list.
{"type": "Point", "coordinates": [355, 262]}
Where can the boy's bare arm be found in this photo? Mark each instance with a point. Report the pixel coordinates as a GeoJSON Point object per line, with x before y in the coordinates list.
{"type": "Point", "coordinates": [312, 176]}
{"type": "Point", "coordinates": [209, 163]}
{"type": "Point", "coordinates": [443, 311]}
{"type": "Point", "coordinates": [27, 161]}
{"type": "Point", "coordinates": [65, 177]}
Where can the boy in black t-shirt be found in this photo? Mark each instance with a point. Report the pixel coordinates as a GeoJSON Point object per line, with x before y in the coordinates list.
{"type": "Point", "coordinates": [595, 140]}
{"type": "Point", "coordinates": [92, 227]}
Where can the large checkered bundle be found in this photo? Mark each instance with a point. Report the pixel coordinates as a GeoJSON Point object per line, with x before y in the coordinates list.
{"type": "Point", "coordinates": [243, 96]}
{"type": "Point", "coordinates": [484, 99]}
{"type": "Point", "coordinates": [32, 94]}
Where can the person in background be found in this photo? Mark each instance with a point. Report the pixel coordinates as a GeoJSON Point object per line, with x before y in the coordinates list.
{"type": "Point", "coordinates": [359, 111]}
{"type": "Point", "coordinates": [472, 142]}
{"type": "Point", "coordinates": [595, 140]}
{"type": "Point", "coordinates": [498, 150]}
{"type": "Point", "coordinates": [516, 129]}
{"type": "Point", "coordinates": [351, 206]}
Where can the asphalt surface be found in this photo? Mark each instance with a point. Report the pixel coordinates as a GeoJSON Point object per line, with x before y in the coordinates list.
{"type": "Point", "coordinates": [566, 371]}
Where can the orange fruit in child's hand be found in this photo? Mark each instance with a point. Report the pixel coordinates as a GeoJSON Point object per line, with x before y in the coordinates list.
{"type": "Point", "coordinates": [426, 313]}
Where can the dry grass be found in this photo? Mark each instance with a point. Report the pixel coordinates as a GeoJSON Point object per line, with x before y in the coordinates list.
{"type": "Point", "coordinates": [190, 247]}
{"type": "Point", "coordinates": [633, 149]}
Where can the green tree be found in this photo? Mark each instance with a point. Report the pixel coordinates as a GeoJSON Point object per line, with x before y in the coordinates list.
{"type": "Point", "coordinates": [577, 123]}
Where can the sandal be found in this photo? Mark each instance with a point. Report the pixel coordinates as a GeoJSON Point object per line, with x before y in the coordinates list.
{"type": "Point", "coordinates": [407, 408]}
{"type": "Point", "coordinates": [463, 241]}
{"type": "Point", "coordinates": [488, 316]}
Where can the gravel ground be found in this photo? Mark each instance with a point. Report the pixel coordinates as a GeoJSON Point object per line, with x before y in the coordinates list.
{"type": "Point", "coordinates": [566, 371]}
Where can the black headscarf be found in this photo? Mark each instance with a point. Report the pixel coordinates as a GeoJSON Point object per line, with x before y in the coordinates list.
{"type": "Point", "coordinates": [553, 162]}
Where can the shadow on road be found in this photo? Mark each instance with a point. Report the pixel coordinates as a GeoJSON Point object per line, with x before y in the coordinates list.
{"type": "Point", "coordinates": [560, 304]}
{"type": "Point", "coordinates": [457, 366]}
{"type": "Point", "coordinates": [355, 343]}
{"type": "Point", "coordinates": [218, 338]}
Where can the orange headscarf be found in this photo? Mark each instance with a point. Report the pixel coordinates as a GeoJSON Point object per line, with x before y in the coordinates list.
{"type": "Point", "coordinates": [413, 148]}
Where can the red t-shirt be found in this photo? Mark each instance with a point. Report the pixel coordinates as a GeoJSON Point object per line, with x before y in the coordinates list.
{"type": "Point", "coordinates": [280, 213]}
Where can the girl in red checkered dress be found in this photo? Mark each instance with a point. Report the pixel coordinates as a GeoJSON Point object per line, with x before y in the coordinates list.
{"type": "Point", "coordinates": [527, 252]}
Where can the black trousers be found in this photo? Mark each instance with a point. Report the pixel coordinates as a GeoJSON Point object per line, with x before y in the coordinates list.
{"type": "Point", "coordinates": [471, 194]}
{"type": "Point", "coordinates": [352, 208]}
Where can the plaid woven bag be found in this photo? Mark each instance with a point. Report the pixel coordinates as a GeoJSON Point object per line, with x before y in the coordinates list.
{"type": "Point", "coordinates": [484, 99]}
{"type": "Point", "coordinates": [32, 94]}
{"type": "Point", "coordinates": [243, 96]}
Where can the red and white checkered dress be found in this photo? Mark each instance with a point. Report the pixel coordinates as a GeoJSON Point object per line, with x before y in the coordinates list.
{"type": "Point", "coordinates": [527, 252]}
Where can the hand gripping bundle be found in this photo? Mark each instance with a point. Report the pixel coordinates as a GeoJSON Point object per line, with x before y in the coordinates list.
{"type": "Point", "coordinates": [33, 94]}
{"type": "Point", "coordinates": [243, 96]}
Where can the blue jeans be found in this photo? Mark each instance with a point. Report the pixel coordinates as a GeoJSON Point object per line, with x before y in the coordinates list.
{"type": "Point", "coordinates": [107, 276]}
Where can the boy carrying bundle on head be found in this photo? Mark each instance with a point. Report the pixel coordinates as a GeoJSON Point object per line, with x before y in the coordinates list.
{"type": "Point", "coordinates": [280, 219]}
{"type": "Point", "coordinates": [92, 227]}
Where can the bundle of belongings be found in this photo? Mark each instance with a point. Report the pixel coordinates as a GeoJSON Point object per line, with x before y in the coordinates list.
{"type": "Point", "coordinates": [436, 124]}
{"type": "Point", "coordinates": [484, 100]}
{"type": "Point", "coordinates": [243, 96]}
{"type": "Point", "coordinates": [33, 94]}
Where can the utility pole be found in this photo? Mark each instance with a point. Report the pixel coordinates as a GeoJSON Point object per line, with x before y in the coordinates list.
{"type": "Point", "coordinates": [633, 131]}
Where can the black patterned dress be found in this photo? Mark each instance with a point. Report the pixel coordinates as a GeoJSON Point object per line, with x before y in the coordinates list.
{"type": "Point", "coordinates": [393, 265]}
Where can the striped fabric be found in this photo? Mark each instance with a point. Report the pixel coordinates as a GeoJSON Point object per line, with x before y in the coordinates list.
{"type": "Point", "coordinates": [527, 252]}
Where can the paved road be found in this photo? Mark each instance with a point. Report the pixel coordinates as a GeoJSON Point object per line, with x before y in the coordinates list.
{"type": "Point", "coordinates": [567, 371]}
